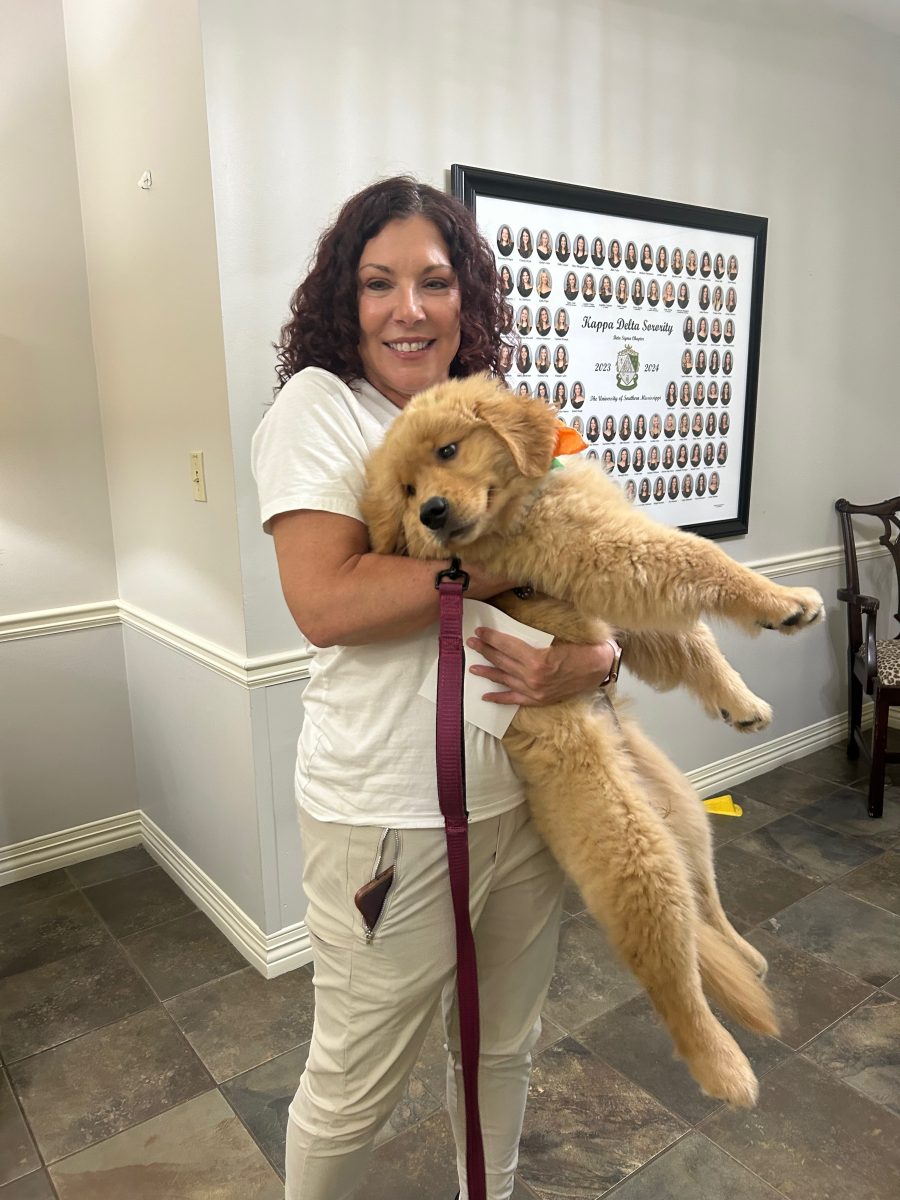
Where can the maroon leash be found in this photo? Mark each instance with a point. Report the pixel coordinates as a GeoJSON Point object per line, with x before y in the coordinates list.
{"type": "Point", "coordinates": [451, 779]}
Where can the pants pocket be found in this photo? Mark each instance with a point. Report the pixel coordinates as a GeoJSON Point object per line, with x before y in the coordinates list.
{"type": "Point", "coordinates": [372, 899]}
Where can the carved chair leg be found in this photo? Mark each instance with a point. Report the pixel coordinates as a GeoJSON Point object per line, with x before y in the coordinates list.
{"type": "Point", "coordinates": [854, 709]}
{"type": "Point", "coordinates": [879, 747]}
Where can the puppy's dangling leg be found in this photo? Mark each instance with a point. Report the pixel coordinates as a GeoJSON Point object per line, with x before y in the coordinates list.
{"type": "Point", "coordinates": [631, 874]}
{"type": "Point", "coordinates": [688, 821]}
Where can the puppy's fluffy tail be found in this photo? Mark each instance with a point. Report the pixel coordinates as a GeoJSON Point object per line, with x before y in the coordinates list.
{"type": "Point", "coordinates": [729, 979]}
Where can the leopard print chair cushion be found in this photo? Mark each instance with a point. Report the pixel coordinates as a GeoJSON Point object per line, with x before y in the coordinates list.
{"type": "Point", "coordinates": [887, 658]}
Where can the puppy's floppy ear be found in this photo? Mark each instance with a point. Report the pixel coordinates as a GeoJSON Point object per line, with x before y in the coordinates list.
{"type": "Point", "coordinates": [528, 427]}
{"type": "Point", "coordinates": [383, 505]}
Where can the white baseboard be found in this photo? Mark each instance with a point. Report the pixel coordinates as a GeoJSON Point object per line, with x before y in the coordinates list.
{"type": "Point", "coordinates": [271, 954]}
{"type": "Point", "coordinates": [275, 954]}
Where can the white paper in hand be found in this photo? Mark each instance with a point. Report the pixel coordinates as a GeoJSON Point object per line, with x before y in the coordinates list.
{"type": "Point", "coordinates": [492, 718]}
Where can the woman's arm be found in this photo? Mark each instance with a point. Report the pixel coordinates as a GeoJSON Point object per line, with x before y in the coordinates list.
{"type": "Point", "coordinates": [340, 594]}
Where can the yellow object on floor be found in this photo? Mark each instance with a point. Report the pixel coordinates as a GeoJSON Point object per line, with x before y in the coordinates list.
{"type": "Point", "coordinates": [723, 806]}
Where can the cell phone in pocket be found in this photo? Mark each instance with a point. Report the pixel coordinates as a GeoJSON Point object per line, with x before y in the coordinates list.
{"type": "Point", "coordinates": [370, 899]}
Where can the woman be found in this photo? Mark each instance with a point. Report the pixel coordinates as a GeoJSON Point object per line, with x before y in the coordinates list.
{"type": "Point", "coordinates": [714, 483]}
{"type": "Point", "coordinates": [653, 458]}
{"type": "Point", "coordinates": [523, 390]}
{"type": "Point", "coordinates": [732, 267]}
{"type": "Point", "coordinates": [727, 362]}
{"type": "Point", "coordinates": [562, 248]}
{"type": "Point", "coordinates": [578, 425]}
{"type": "Point", "coordinates": [402, 295]}
{"type": "Point", "coordinates": [525, 284]}
{"type": "Point", "coordinates": [698, 392]}
{"type": "Point", "coordinates": [729, 330]}
{"type": "Point", "coordinates": [625, 428]}
{"type": "Point", "coordinates": [637, 291]}
{"type": "Point", "coordinates": [669, 427]}
{"type": "Point", "coordinates": [669, 293]}
{"type": "Point", "coordinates": [644, 491]}
{"type": "Point", "coordinates": [700, 489]}
{"type": "Point", "coordinates": [640, 427]}
{"type": "Point", "coordinates": [506, 280]}
{"type": "Point", "coordinates": [646, 257]}
{"type": "Point", "coordinates": [523, 321]}
{"type": "Point", "coordinates": [622, 290]}
{"type": "Point", "coordinates": [653, 293]}
{"type": "Point", "coordinates": [622, 461]}
{"type": "Point", "coordinates": [541, 359]}
{"type": "Point", "coordinates": [631, 256]}
{"type": "Point", "coordinates": [717, 299]}
{"type": "Point", "coordinates": [731, 305]}
{"type": "Point", "coordinates": [542, 392]}
{"type": "Point", "coordinates": [685, 396]}
{"type": "Point", "coordinates": [704, 297]}
{"type": "Point", "coordinates": [711, 424]}
{"type": "Point", "coordinates": [691, 262]}
{"type": "Point", "coordinates": [559, 396]}
{"type": "Point", "coordinates": [637, 459]}
{"type": "Point", "coordinates": [688, 329]}
{"type": "Point", "coordinates": [659, 488]}
{"type": "Point", "coordinates": [715, 329]}
{"type": "Point", "coordinates": [523, 359]}
{"type": "Point", "coordinates": [588, 288]}
{"type": "Point", "coordinates": [504, 240]}
{"type": "Point", "coordinates": [561, 359]}
{"type": "Point", "coordinates": [593, 429]}
{"type": "Point", "coordinates": [544, 283]}
{"type": "Point", "coordinates": [684, 425]}
{"type": "Point", "coordinates": [719, 265]}
{"type": "Point", "coordinates": [615, 254]}
{"type": "Point", "coordinates": [703, 330]}
{"type": "Point", "coordinates": [606, 290]}
{"type": "Point", "coordinates": [673, 488]}
{"type": "Point", "coordinates": [662, 260]}
{"type": "Point", "coordinates": [561, 324]}
{"type": "Point", "coordinates": [668, 459]}
{"type": "Point", "coordinates": [543, 326]}
{"type": "Point", "coordinates": [578, 396]}
{"type": "Point", "coordinates": [525, 243]}
{"type": "Point", "coordinates": [671, 394]}
{"type": "Point", "coordinates": [705, 264]}
{"type": "Point", "coordinates": [726, 392]}
{"type": "Point", "coordinates": [597, 252]}
{"type": "Point", "coordinates": [712, 394]}
{"type": "Point", "coordinates": [571, 286]}
{"type": "Point", "coordinates": [580, 251]}
{"type": "Point", "coordinates": [609, 428]}
{"type": "Point", "coordinates": [677, 261]}
{"type": "Point", "coordinates": [608, 461]}
{"type": "Point", "coordinates": [655, 426]}
{"type": "Point", "coordinates": [544, 245]}
{"type": "Point", "coordinates": [701, 362]}
{"type": "Point", "coordinates": [684, 295]}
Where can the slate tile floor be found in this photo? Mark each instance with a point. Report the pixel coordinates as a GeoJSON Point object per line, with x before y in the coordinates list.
{"type": "Point", "coordinates": [142, 1059]}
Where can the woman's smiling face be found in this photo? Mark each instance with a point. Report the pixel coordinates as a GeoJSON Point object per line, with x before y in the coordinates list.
{"type": "Point", "coordinates": [409, 309]}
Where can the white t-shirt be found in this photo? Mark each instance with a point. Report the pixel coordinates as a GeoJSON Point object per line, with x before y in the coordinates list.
{"type": "Point", "coordinates": [366, 750]}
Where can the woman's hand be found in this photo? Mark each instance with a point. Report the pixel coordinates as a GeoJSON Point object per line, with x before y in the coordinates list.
{"type": "Point", "coordinates": [532, 676]}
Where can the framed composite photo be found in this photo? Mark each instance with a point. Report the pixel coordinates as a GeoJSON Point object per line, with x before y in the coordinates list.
{"type": "Point", "coordinates": [639, 321]}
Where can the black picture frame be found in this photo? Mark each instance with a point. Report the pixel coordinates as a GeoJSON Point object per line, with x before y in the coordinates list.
{"type": "Point", "coordinates": [519, 203]}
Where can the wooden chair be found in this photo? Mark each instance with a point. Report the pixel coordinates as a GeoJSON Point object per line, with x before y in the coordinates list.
{"type": "Point", "coordinates": [873, 663]}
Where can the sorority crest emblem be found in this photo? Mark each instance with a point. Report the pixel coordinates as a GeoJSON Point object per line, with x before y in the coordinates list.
{"type": "Point", "coordinates": [627, 364]}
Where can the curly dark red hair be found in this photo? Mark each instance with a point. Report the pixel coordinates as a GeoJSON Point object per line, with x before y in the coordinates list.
{"type": "Point", "coordinates": [323, 330]}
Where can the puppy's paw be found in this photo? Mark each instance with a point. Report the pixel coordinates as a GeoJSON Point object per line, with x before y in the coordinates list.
{"type": "Point", "coordinates": [748, 717]}
{"type": "Point", "coordinates": [791, 609]}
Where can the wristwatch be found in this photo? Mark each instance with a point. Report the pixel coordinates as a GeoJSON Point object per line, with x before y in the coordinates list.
{"type": "Point", "coordinates": [616, 663]}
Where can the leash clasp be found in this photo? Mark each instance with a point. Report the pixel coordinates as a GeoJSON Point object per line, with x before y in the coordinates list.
{"type": "Point", "coordinates": [454, 573]}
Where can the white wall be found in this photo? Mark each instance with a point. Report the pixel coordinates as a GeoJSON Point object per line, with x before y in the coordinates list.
{"type": "Point", "coordinates": [138, 103]}
{"type": "Point", "coordinates": [55, 534]}
{"type": "Point", "coordinates": [66, 756]}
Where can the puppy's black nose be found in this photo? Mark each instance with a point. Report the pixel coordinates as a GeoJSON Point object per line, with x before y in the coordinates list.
{"type": "Point", "coordinates": [434, 512]}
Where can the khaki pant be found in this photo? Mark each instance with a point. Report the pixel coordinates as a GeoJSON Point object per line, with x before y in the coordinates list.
{"type": "Point", "coordinates": [375, 999]}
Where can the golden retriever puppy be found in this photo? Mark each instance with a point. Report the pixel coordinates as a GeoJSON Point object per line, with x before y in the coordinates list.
{"type": "Point", "coordinates": [465, 470]}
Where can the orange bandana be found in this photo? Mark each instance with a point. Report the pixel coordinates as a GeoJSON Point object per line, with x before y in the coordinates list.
{"type": "Point", "coordinates": [568, 440]}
